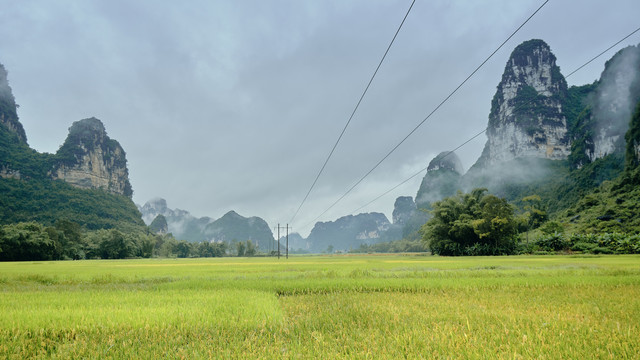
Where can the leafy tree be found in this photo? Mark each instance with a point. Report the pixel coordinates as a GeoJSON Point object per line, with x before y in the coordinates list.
{"type": "Point", "coordinates": [72, 247]}
{"type": "Point", "coordinates": [183, 249]}
{"type": "Point", "coordinates": [167, 246]}
{"type": "Point", "coordinates": [205, 249]}
{"type": "Point", "coordinates": [115, 245]}
{"type": "Point", "coordinates": [241, 248]}
{"type": "Point", "coordinates": [26, 241]}
{"type": "Point", "coordinates": [219, 249]}
{"type": "Point", "coordinates": [535, 211]}
{"type": "Point", "coordinates": [476, 223]}
{"type": "Point", "coordinates": [146, 244]}
{"type": "Point", "coordinates": [552, 227]}
{"type": "Point", "coordinates": [251, 249]}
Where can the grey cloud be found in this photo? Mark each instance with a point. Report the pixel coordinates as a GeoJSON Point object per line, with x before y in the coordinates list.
{"type": "Point", "coordinates": [234, 105]}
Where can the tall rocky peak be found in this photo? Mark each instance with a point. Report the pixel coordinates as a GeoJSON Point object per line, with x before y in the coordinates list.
{"type": "Point", "coordinates": [154, 207]}
{"type": "Point", "coordinates": [526, 118]}
{"type": "Point", "coordinates": [443, 173]}
{"type": "Point", "coordinates": [632, 138]}
{"type": "Point", "coordinates": [403, 209]}
{"type": "Point", "coordinates": [612, 105]}
{"type": "Point", "coordinates": [446, 160]}
{"type": "Point", "coordinates": [8, 108]}
{"type": "Point", "coordinates": [159, 225]}
{"type": "Point", "coordinates": [90, 159]}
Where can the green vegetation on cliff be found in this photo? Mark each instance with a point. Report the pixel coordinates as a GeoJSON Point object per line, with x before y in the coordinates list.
{"type": "Point", "coordinates": [30, 195]}
{"type": "Point", "coordinates": [27, 192]}
{"type": "Point", "coordinates": [47, 201]}
{"type": "Point", "coordinates": [632, 154]}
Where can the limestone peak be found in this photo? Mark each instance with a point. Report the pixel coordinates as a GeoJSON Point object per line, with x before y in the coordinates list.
{"type": "Point", "coordinates": [526, 118]}
{"type": "Point", "coordinates": [8, 108]}
{"type": "Point", "coordinates": [90, 159]}
{"type": "Point", "coordinates": [446, 160]}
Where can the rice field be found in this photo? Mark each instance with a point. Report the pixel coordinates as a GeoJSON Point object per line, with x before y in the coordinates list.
{"type": "Point", "coordinates": [379, 307]}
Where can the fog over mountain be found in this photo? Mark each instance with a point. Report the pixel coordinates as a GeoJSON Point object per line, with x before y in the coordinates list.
{"type": "Point", "coordinates": [232, 105]}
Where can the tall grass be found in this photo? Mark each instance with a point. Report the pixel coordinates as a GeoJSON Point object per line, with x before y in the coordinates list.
{"type": "Point", "coordinates": [323, 307]}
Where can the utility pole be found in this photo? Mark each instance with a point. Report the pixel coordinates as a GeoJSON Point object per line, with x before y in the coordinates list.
{"type": "Point", "coordinates": [287, 248]}
{"type": "Point", "coordinates": [287, 244]}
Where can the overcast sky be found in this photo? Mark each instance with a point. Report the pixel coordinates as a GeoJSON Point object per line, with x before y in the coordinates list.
{"type": "Point", "coordinates": [235, 105]}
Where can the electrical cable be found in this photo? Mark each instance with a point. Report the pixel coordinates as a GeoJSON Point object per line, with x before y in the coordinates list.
{"type": "Point", "coordinates": [597, 56]}
{"type": "Point", "coordinates": [432, 112]}
{"type": "Point", "coordinates": [483, 131]}
{"type": "Point", "coordinates": [352, 113]}
{"type": "Point", "coordinates": [417, 173]}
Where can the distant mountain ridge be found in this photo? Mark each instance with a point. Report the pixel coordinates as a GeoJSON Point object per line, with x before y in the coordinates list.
{"type": "Point", "coordinates": [180, 223]}
{"type": "Point", "coordinates": [234, 227]}
{"type": "Point", "coordinates": [229, 228]}
{"type": "Point", "coordinates": [348, 232]}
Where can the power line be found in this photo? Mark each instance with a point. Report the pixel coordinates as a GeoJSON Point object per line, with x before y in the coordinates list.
{"type": "Point", "coordinates": [483, 131]}
{"type": "Point", "coordinates": [418, 173]}
{"type": "Point", "coordinates": [352, 113]}
{"type": "Point", "coordinates": [432, 112]}
{"type": "Point", "coordinates": [597, 56]}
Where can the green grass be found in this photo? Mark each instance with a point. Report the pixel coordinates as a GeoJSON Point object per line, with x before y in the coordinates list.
{"type": "Point", "coordinates": [323, 307]}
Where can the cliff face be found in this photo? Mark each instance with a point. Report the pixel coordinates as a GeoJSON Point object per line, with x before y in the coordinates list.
{"type": "Point", "coordinates": [441, 180]}
{"type": "Point", "coordinates": [526, 118]}
{"type": "Point", "coordinates": [403, 209]}
{"type": "Point", "coordinates": [613, 102]}
{"type": "Point", "coordinates": [8, 108]}
{"type": "Point", "coordinates": [89, 159]}
{"type": "Point", "coordinates": [632, 138]}
{"type": "Point", "coordinates": [25, 176]}
{"type": "Point", "coordinates": [159, 225]}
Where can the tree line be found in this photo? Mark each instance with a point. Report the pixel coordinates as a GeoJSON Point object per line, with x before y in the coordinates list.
{"type": "Point", "coordinates": [66, 240]}
{"type": "Point", "coordinates": [479, 223]}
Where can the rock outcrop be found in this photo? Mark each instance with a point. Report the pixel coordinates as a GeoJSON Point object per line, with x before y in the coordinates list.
{"type": "Point", "coordinates": [447, 160]}
{"type": "Point", "coordinates": [89, 159]}
{"type": "Point", "coordinates": [159, 225]}
{"type": "Point", "coordinates": [403, 209]}
{"type": "Point", "coordinates": [526, 118]}
{"type": "Point", "coordinates": [613, 102]}
{"type": "Point", "coordinates": [87, 162]}
{"type": "Point", "coordinates": [8, 108]}
{"type": "Point", "coordinates": [8, 173]}
{"type": "Point", "coordinates": [441, 180]}
{"type": "Point", "coordinates": [632, 138]}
